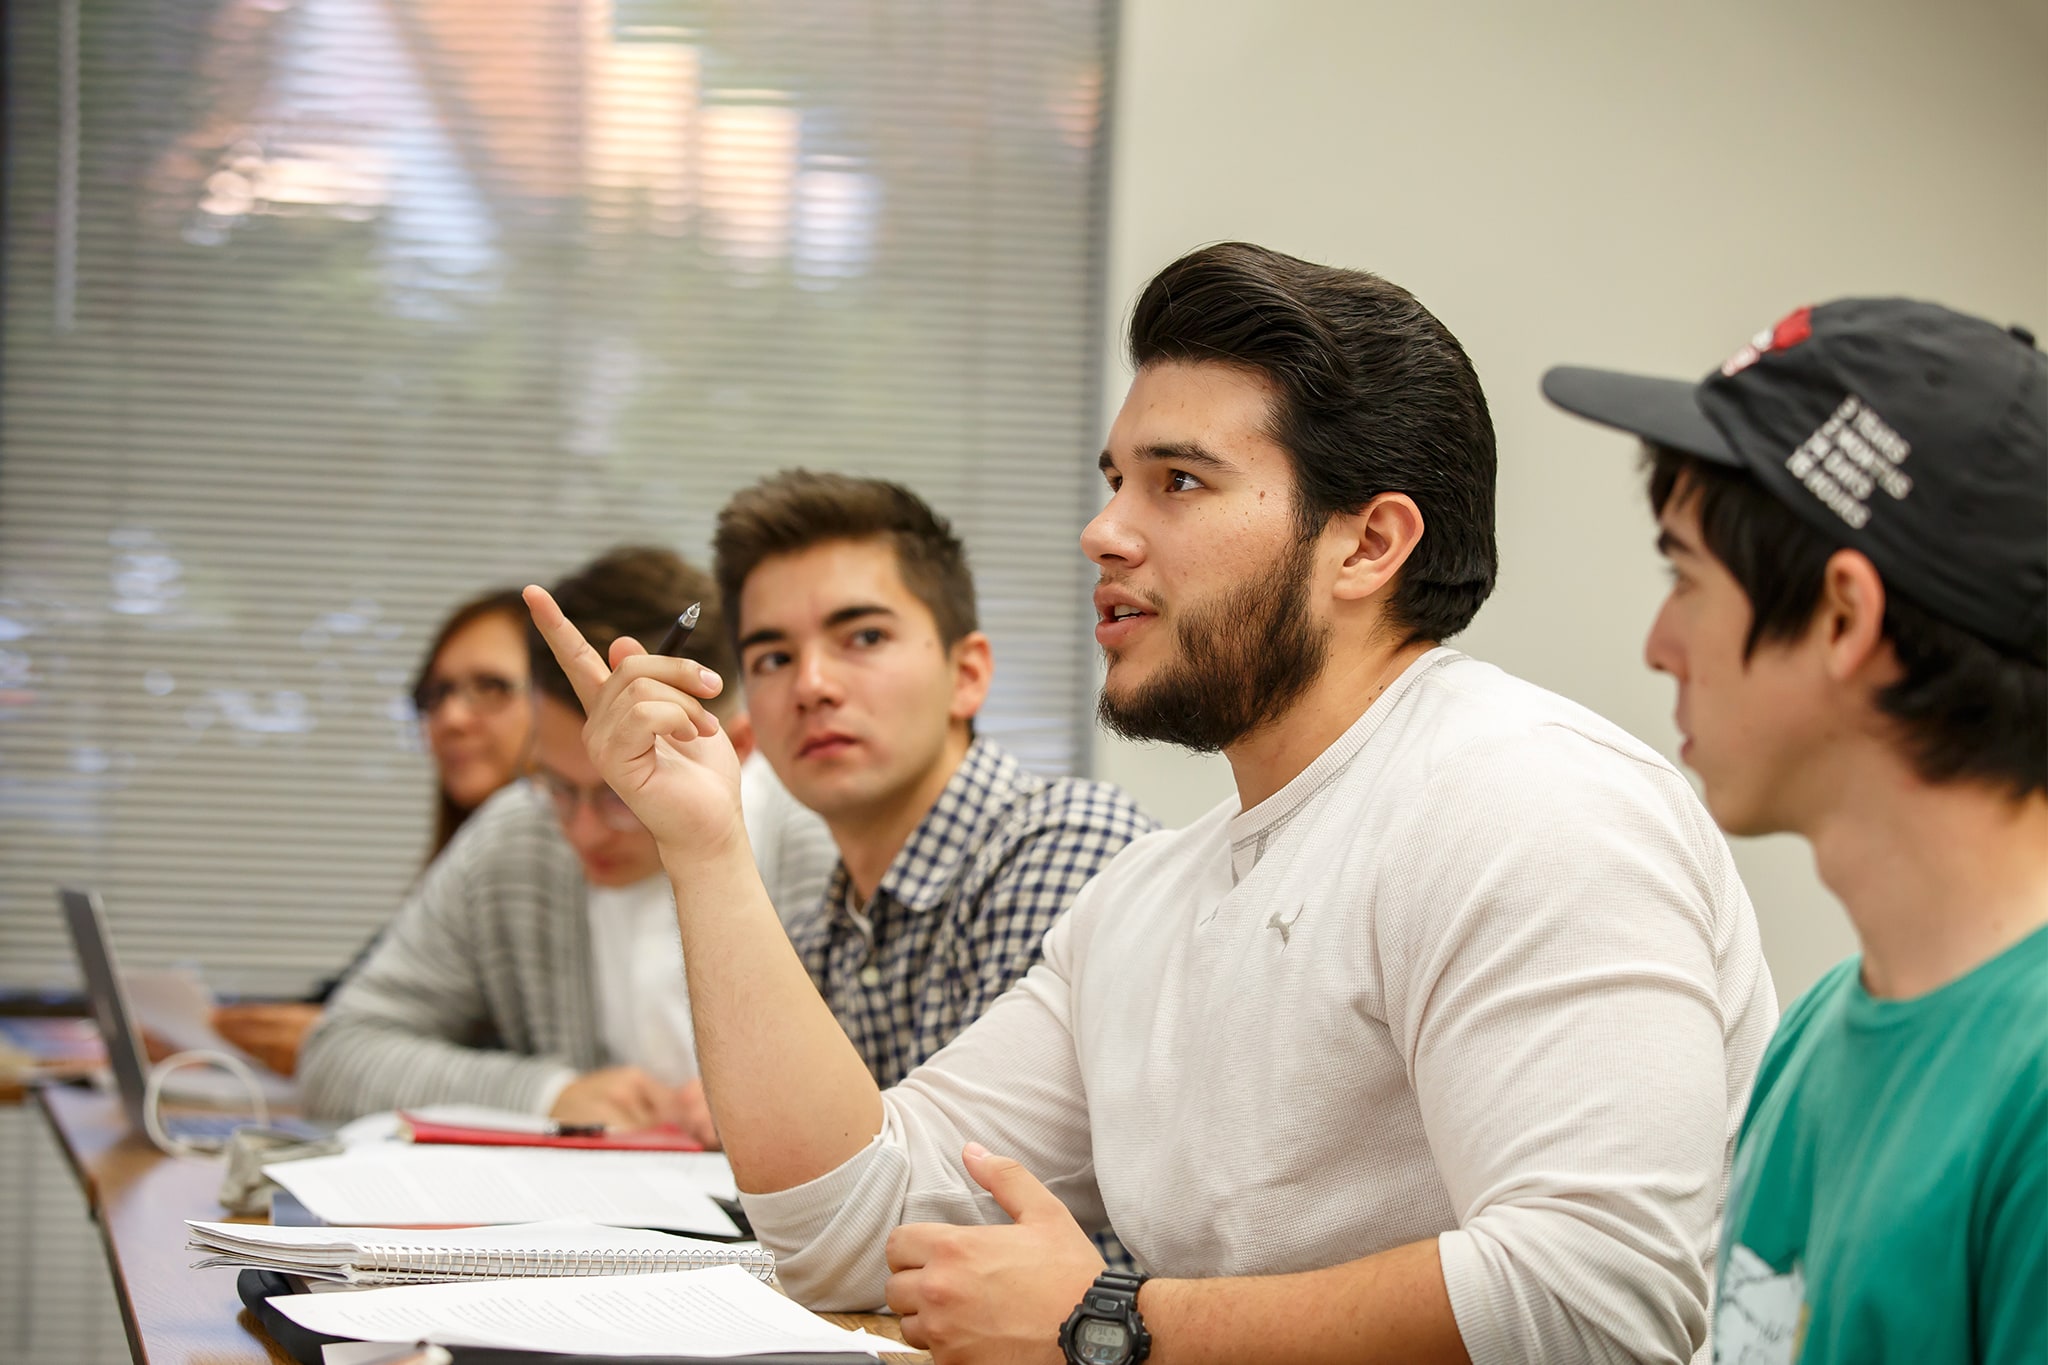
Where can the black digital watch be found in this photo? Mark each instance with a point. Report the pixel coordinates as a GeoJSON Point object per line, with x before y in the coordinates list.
{"type": "Point", "coordinates": [1106, 1329]}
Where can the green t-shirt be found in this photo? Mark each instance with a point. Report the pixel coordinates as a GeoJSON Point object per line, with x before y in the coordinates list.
{"type": "Point", "coordinates": [1890, 1198]}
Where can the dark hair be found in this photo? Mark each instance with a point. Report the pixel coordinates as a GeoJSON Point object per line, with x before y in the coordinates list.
{"type": "Point", "coordinates": [1965, 711]}
{"type": "Point", "coordinates": [1376, 396]}
{"type": "Point", "coordinates": [800, 508]}
{"type": "Point", "coordinates": [506, 602]}
{"type": "Point", "coordinates": [636, 590]}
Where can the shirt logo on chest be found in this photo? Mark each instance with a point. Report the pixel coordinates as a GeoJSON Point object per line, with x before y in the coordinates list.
{"type": "Point", "coordinates": [1283, 920]}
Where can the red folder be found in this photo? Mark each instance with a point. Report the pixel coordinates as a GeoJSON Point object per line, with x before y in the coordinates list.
{"type": "Point", "coordinates": [666, 1138]}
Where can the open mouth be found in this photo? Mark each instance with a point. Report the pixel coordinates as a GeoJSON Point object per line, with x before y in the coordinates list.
{"type": "Point", "coordinates": [1118, 623]}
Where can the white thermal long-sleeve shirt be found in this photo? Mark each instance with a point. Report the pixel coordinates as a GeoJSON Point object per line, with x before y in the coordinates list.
{"type": "Point", "coordinates": [1483, 972]}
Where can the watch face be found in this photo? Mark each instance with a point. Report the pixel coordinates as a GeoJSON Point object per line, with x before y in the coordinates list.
{"type": "Point", "coordinates": [1101, 1342]}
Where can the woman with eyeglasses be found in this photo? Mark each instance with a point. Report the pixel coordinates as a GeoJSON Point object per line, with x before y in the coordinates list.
{"type": "Point", "coordinates": [470, 695]}
{"type": "Point", "coordinates": [465, 695]}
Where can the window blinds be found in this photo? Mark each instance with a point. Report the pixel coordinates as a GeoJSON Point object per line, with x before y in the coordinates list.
{"type": "Point", "coordinates": [322, 315]}
{"type": "Point", "coordinates": [56, 1290]}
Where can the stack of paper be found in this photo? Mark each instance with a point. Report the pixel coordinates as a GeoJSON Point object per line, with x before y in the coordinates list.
{"type": "Point", "coordinates": [399, 1184]}
{"type": "Point", "coordinates": [723, 1311]}
{"type": "Point", "coordinates": [410, 1256]}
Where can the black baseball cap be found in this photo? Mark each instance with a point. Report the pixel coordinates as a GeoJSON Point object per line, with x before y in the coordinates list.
{"type": "Point", "coordinates": [1911, 432]}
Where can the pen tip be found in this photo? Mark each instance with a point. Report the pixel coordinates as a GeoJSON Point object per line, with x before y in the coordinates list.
{"type": "Point", "coordinates": [689, 618]}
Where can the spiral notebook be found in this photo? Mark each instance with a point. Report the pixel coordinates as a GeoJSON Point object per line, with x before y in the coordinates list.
{"type": "Point", "coordinates": [437, 1255]}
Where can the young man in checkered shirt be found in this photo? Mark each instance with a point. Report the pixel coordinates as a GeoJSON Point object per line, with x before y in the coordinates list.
{"type": "Point", "coordinates": [853, 608]}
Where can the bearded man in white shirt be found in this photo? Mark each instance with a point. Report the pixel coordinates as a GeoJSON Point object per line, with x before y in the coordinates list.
{"type": "Point", "coordinates": [1430, 1045]}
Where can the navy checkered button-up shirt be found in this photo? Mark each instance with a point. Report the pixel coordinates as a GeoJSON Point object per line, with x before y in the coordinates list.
{"type": "Point", "coordinates": [963, 909]}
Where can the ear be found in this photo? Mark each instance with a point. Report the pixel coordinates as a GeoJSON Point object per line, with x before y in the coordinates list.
{"type": "Point", "coordinates": [739, 728]}
{"type": "Point", "coordinates": [1376, 541]}
{"type": "Point", "coordinates": [1849, 622]}
{"type": "Point", "coordinates": [974, 668]}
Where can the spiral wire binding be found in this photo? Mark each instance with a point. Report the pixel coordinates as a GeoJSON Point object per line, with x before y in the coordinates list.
{"type": "Point", "coordinates": [415, 1265]}
{"type": "Point", "coordinates": [153, 1095]}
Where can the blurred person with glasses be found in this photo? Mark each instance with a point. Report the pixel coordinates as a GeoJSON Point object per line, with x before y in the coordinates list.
{"type": "Point", "coordinates": [536, 966]}
{"type": "Point", "coordinates": [567, 799]}
{"type": "Point", "coordinates": [470, 697]}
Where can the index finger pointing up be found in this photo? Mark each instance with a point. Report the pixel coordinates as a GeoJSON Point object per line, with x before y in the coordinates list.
{"type": "Point", "coordinates": [584, 666]}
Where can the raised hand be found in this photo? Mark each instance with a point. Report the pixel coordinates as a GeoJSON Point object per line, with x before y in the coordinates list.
{"type": "Point", "coordinates": [651, 736]}
{"type": "Point", "coordinates": [990, 1295]}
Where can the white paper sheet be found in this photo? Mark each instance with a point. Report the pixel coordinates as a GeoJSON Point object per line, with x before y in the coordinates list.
{"type": "Point", "coordinates": [386, 1126]}
{"type": "Point", "coordinates": [380, 1353]}
{"type": "Point", "coordinates": [483, 1116]}
{"type": "Point", "coordinates": [711, 1171]}
{"type": "Point", "coordinates": [717, 1312]}
{"type": "Point", "coordinates": [175, 1005]}
{"type": "Point", "coordinates": [396, 1184]}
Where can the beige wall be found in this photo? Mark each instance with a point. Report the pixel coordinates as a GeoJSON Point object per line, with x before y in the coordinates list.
{"type": "Point", "coordinates": [1640, 185]}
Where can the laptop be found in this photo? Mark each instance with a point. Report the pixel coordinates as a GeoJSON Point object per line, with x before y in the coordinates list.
{"type": "Point", "coordinates": [87, 921]}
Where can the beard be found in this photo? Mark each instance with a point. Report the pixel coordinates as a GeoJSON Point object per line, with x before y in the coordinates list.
{"type": "Point", "coordinates": [1241, 661]}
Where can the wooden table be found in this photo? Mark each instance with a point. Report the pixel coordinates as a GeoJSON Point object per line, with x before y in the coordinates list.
{"type": "Point", "coordinates": [176, 1315]}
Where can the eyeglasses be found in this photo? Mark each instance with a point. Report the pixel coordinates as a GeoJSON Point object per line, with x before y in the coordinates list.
{"type": "Point", "coordinates": [610, 809]}
{"type": "Point", "coordinates": [484, 693]}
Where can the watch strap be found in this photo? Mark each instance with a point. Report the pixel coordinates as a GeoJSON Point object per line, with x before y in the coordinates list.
{"type": "Point", "coordinates": [1119, 1282]}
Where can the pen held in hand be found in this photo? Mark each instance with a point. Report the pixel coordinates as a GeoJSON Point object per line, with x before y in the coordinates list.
{"type": "Point", "coordinates": [679, 633]}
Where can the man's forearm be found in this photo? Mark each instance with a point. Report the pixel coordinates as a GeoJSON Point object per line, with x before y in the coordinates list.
{"type": "Point", "coordinates": [1390, 1307]}
{"type": "Point", "coordinates": [790, 1094]}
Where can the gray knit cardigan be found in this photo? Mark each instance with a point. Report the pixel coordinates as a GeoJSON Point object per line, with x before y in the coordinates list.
{"type": "Point", "coordinates": [479, 991]}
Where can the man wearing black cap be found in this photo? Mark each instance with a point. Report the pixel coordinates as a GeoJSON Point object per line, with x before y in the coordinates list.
{"type": "Point", "coordinates": [1855, 511]}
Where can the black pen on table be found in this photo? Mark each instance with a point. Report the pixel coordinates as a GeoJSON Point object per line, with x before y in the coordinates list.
{"type": "Point", "coordinates": [679, 633]}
